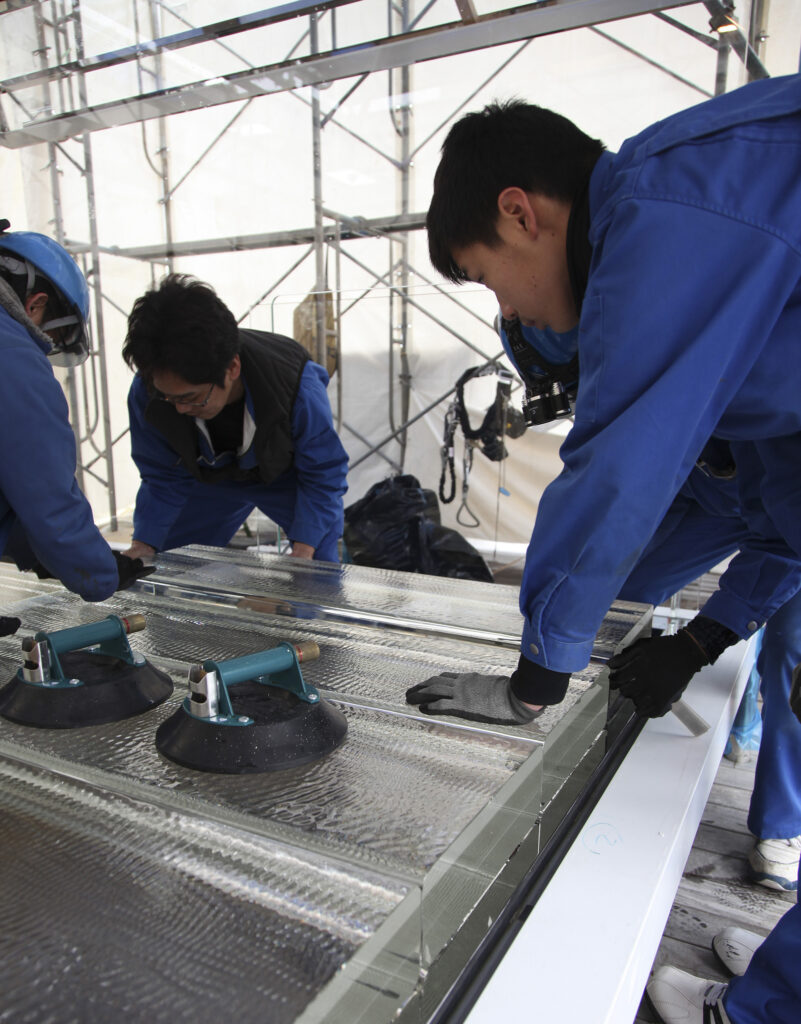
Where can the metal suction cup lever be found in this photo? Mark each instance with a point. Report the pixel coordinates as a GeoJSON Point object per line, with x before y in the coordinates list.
{"type": "Point", "coordinates": [209, 698]}
{"type": "Point", "coordinates": [42, 666]}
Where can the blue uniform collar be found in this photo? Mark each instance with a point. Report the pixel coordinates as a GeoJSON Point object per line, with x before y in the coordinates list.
{"type": "Point", "coordinates": [556, 348]}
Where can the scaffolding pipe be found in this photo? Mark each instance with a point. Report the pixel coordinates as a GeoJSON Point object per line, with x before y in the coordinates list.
{"type": "Point", "coordinates": [399, 331]}
{"type": "Point", "coordinates": [319, 244]}
{"type": "Point", "coordinates": [163, 150]}
{"type": "Point", "coordinates": [489, 30]}
{"type": "Point", "coordinates": [71, 383]}
{"type": "Point", "coordinates": [207, 33]}
{"type": "Point", "coordinates": [338, 319]}
{"type": "Point", "coordinates": [100, 340]}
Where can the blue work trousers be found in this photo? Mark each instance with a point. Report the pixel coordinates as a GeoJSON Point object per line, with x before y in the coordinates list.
{"type": "Point", "coordinates": [213, 514]}
{"type": "Point", "coordinates": [689, 542]}
{"type": "Point", "coordinates": [770, 990]}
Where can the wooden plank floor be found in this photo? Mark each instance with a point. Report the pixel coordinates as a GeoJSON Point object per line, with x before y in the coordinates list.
{"type": "Point", "coordinates": [715, 891]}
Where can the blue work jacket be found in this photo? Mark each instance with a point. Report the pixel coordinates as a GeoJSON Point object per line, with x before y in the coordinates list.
{"type": "Point", "coordinates": [318, 473]}
{"type": "Point", "coordinates": [38, 490]}
{"type": "Point", "coordinates": [690, 327]}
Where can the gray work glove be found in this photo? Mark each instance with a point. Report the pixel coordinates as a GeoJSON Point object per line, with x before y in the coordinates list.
{"type": "Point", "coordinates": [471, 695]}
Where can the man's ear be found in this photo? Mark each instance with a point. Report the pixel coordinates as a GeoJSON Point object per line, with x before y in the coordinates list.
{"type": "Point", "coordinates": [514, 207]}
{"type": "Point", "coordinates": [35, 306]}
{"type": "Point", "coordinates": [235, 367]}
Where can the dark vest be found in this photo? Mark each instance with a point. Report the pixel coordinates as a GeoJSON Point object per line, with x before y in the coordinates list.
{"type": "Point", "coordinates": [271, 367]}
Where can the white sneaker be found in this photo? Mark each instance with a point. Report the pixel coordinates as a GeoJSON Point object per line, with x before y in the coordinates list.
{"type": "Point", "coordinates": [737, 753]}
{"type": "Point", "coordinates": [734, 947]}
{"type": "Point", "coordinates": [774, 863]}
{"type": "Point", "coordinates": [680, 998]}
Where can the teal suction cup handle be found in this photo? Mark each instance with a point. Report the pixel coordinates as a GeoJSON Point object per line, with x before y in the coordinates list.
{"type": "Point", "coordinates": [280, 666]}
{"type": "Point", "coordinates": [108, 636]}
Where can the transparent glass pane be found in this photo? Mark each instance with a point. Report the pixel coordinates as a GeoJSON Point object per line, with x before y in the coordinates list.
{"type": "Point", "coordinates": [427, 825]}
{"type": "Point", "coordinates": [112, 904]}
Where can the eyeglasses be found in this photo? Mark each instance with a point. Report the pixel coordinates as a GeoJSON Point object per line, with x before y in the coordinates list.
{"type": "Point", "coordinates": [185, 399]}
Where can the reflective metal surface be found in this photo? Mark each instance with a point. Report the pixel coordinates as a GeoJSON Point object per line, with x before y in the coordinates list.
{"type": "Point", "coordinates": [346, 889]}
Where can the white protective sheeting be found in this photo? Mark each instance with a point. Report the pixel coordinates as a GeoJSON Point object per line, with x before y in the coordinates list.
{"type": "Point", "coordinates": [245, 167]}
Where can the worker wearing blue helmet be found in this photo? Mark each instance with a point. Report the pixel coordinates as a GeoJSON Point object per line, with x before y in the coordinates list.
{"type": "Point", "coordinates": [46, 522]}
{"type": "Point", "coordinates": [27, 257]}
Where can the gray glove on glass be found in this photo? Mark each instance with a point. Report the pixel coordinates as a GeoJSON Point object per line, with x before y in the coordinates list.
{"type": "Point", "coordinates": [471, 695]}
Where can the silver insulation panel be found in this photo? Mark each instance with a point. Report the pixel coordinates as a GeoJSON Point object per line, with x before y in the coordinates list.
{"type": "Point", "coordinates": [345, 890]}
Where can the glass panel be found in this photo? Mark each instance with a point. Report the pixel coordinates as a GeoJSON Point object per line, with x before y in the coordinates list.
{"type": "Point", "coordinates": [114, 904]}
{"type": "Point", "coordinates": [276, 584]}
{"type": "Point", "coordinates": [428, 824]}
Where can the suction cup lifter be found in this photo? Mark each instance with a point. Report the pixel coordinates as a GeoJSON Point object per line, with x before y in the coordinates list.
{"type": "Point", "coordinates": [62, 685]}
{"type": "Point", "coordinates": [42, 666]}
{"type": "Point", "coordinates": [209, 698]}
{"type": "Point", "coordinates": [252, 714]}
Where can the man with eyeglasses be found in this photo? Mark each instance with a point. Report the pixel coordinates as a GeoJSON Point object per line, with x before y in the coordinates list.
{"type": "Point", "coordinates": [223, 421]}
{"type": "Point", "coordinates": [46, 523]}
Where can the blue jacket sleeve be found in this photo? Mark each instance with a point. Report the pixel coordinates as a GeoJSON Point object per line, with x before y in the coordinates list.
{"type": "Point", "coordinates": [663, 353]}
{"type": "Point", "coordinates": [321, 462]}
{"type": "Point", "coordinates": [37, 475]}
{"type": "Point", "coordinates": [165, 485]}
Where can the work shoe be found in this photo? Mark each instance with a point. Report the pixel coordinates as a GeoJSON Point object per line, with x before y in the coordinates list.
{"type": "Point", "coordinates": [738, 753]}
{"type": "Point", "coordinates": [734, 947]}
{"type": "Point", "coordinates": [774, 863]}
{"type": "Point", "coordinates": [680, 998]}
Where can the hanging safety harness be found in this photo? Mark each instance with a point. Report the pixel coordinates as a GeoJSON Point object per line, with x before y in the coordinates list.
{"type": "Point", "coordinates": [500, 420]}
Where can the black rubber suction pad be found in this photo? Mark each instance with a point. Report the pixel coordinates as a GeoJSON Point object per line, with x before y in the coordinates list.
{"type": "Point", "coordinates": [112, 690]}
{"type": "Point", "coordinates": [286, 732]}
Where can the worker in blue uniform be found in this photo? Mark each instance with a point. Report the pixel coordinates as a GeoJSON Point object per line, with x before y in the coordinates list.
{"type": "Point", "coordinates": [765, 989]}
{"type": "Point", "coordinates": [707, 523]}
{"type": "Point", "coordinates": [223, 421]}
{"type": "Point", "coordinates": [677, 262]}
{"type": "Point", "coordinates": [46, 522]}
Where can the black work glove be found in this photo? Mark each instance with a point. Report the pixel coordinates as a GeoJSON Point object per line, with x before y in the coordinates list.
{"type": "Point", "coordinates": [9, 625]}
{"type": "Point", "coordinates": [130, 569]}
{"type": "Point", "coordinates": [655, 671]}
{"type": "Point", "coordinates": [41, 571]}
{"type": "Point", "coordinates": [471, 695]}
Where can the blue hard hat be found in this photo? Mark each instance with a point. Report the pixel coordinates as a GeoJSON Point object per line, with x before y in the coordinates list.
{"type": "Point", "coordinates": [51, 260]}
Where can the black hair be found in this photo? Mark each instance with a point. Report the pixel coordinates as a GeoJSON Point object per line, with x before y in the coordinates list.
{"type": "Point", "coordinates": [184, 327]}
{"type": "Point", "coordinates": [505, 145]}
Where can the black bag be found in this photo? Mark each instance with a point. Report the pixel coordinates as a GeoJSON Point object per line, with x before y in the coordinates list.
{"type": "Point", "coordinates": [396, 525]}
